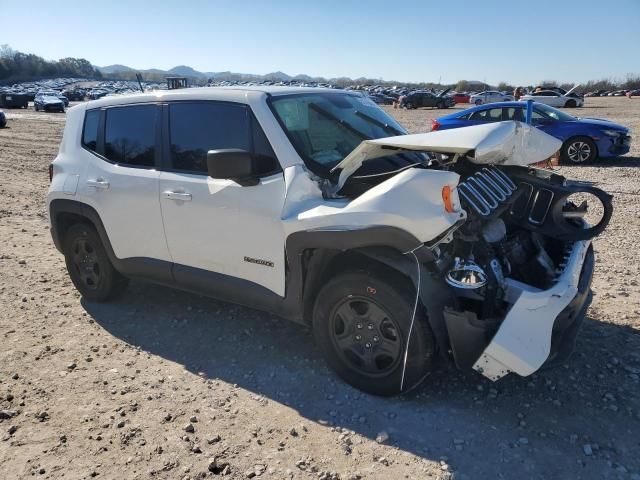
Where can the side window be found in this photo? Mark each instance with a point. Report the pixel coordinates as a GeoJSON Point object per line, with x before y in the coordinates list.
{"type": "Point", "coordinates": [537, 118]}
{"type": "Point", "coordinates": [490, 115]}
{"type": "Point", "coordinates": [130, 135]}
{"type": "Point", "coordinates": [90, 130]}
{"type": "Point", "coordinates": [515, 114]}
{"type": "Point", "coordinates": [266, 160]}
{"type": "Point", "coordinates": [196, 128]}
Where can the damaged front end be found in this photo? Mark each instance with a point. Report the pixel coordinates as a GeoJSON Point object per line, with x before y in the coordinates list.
{"type": "Point", "coordinates": [508, 288]}
{"type": "Point", "coordinates": [519, 269]}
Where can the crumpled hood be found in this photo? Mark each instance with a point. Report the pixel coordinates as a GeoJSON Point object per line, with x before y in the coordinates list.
{"type": "Point", "coordinates": [504, 143]}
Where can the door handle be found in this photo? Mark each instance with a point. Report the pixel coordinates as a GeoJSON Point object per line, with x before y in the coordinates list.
{"type": "Point", "coordinates": [181, 196]}
{"type": "Point", "coordinates": [98, 183]}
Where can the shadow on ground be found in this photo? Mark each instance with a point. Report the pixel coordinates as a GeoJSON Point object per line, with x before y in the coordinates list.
{"type": "Point", "coordinates": [514, 428]}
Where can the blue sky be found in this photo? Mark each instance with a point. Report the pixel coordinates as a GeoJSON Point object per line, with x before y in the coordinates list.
{"type": "Point", "coordinates": [421, 40]}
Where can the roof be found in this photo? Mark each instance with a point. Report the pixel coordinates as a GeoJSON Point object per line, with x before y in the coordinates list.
{"type": "Point", "coordinates": [237, 93]}
{"type": "Point", "coordinates": [486, 106]}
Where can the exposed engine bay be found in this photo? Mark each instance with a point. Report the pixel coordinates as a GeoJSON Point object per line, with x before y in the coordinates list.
{"type": "Point", "coordinates": [521, 225]}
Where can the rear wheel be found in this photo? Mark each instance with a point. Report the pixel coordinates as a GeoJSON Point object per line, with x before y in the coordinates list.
{"type": "Point", "coordinates": [89, 266]}
{"type": "Point", "coordinates": [362, 322]}
{"type": "Point", "coordinates": [579, 150]}
{"type": "Point", "coordinates": [478, 102]}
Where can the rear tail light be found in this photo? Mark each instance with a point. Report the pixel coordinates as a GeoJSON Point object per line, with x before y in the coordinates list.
{"type": "Point", "coordinates": [435, 125]}
{"type": "Point", "coordinates": [50, 172]}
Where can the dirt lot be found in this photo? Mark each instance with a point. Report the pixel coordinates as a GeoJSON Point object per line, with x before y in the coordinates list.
{"type": "Point", "coordinates": [163, 384]}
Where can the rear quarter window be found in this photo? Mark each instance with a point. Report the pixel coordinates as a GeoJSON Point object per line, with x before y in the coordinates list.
{"type": "Point", "coordinates": [90, 130]}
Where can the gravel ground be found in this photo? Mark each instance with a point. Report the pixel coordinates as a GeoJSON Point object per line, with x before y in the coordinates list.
{"type": "Point", "coordinates": [163, 384]}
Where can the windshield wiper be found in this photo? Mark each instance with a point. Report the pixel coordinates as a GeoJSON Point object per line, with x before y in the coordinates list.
{"type": "Point", "coordinates": [339, 121]}
{"type": "Point", "coordinates": [380, 124]}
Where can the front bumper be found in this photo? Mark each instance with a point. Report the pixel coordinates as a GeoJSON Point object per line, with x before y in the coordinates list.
{"type": "Point", "coordinates": [541, 325]}
{"type": "Point", "coordinates": [619, 145]}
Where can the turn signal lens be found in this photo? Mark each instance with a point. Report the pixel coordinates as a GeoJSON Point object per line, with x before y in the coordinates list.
{"type": "Point", "coordinates": [446, 199]}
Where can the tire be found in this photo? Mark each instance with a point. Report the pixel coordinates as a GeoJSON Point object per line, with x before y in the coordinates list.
{"type": "Point", "coordinates": [409, 106]}
{"type": "Point", "coordinates": [89, 266]}
{"type": "Point", "coordinates": [440, 105]}
{"type": "Point", "coordinates": [361, 320]}
{"type": "Point", "coordinates": [571, 104]}
{"type": "Point", "coordinates": [36, 108]}
{"type": "Point", "coordinates": [478, 102]}
{"type": "Point", "coordinates": [579, 150]}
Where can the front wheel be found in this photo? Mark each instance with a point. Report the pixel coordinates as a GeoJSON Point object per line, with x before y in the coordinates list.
{"type": "Point", "coordinates": [440, 105]}
{"type": "Point", "coordinates": [89, 266]}
{"type": "Point", "coordinates": [409, 106]}
{"type": "Point", "coordinates": [362, 322]}
{"type": "Point", "coordinates": [570, 104]}
{"type": "Point", "coordinates": [579, 150]}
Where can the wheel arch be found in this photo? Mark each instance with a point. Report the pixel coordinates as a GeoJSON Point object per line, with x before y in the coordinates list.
{"type": "Point", "coordinates": [65, 213]}
{"type": "Point", "coordinates": [313, 256]}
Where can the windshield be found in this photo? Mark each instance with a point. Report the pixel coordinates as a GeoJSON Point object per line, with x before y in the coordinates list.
{"type": "Point", "coordinates": [554, 113]}
{"type": "Point", "coordinates": [325, 127]}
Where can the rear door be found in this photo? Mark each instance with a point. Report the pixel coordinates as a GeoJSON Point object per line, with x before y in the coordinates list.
{"type": "Point", "coordinates": [217, 225]}
{"type": "Point", "coordinates": [121, 179]}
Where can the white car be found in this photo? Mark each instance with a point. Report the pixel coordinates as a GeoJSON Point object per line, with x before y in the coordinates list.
{"type": "Point", "coordinates": [315, 205]}
{"type": "Point", "coordinates": [490, 96]}
{"type": "Point", "coordinates": [555, 99]}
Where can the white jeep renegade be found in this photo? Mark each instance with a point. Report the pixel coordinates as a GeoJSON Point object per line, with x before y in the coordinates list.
{"type": "Point", "coordinates": [315, 205]}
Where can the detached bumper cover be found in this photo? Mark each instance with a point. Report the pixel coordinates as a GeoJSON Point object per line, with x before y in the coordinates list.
{"type": "Point", "coordinates": [539, 319]}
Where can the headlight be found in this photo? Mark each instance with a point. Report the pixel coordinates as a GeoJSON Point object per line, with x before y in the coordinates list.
{"type": "Point", "coordinates": [612, 133]}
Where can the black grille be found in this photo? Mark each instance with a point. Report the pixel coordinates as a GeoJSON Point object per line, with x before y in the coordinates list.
{"type": "Point", "coordinates": [486, 190]}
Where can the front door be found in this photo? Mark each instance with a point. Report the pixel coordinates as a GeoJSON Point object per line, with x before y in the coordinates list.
{"type": "Point", "coordinates": [217, 225]}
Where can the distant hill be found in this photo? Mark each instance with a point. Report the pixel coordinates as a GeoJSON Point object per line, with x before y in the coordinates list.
{"type": "Point", "coordinates": [115, 68]}
{"type": "Point", "coordinates": [187, 71]}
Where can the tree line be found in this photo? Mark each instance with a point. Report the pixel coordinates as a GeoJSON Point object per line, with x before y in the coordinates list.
{"type": "Point", "coordinates": [18, 67]}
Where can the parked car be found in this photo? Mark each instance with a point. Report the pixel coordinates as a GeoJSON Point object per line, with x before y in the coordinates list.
{"type": "Point", "coordinates": [568, 93]}
{"type": "Point", "coordinates": [381, 99]}
{"type": "Point", "coordinates": [583, 139]}
{"type": "Point", "coordinates": [48, 102]}
{"type": "Point", "coordinates": [3, 119]}
{"type": "Point", "coordinates": [555, 99]}
{"type": "Point", "coordinates": [420, 98]}
{"type": "Point", "coordinates": [14, 100]}
{"type": "Point", "coordinates": [460, 98]}
{"type": "Point", "coordinates": [489, 96]}
{"type": "Point", "coordinates": [320, 208]}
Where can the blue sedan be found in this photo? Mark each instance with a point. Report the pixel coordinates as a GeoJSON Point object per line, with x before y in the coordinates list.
{"type": "Point", "coordinates": [585, 139]}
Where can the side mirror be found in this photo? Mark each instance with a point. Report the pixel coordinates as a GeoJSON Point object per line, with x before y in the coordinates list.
{"type": "Point", "coordinates": [233, 164]}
